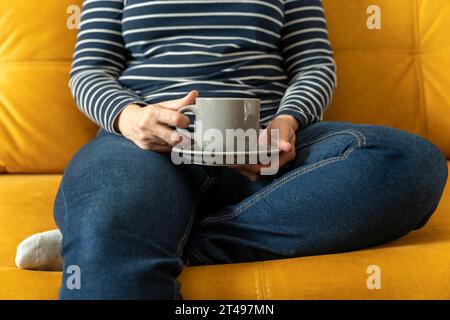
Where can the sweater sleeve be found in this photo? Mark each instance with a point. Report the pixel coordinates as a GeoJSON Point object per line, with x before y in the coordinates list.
{"type": "Point", "coordinates": [308, 61]}
{"type": "Point", "coordinates": [100, 57]}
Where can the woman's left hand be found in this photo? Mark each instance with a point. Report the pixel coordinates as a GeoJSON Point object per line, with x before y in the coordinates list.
{"type": "Point", "coordinates": [287, 126]}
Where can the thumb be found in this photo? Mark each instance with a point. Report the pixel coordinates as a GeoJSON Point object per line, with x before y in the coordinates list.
{"type": "Point", "coordinates": [180, 103]}
{"type": "Point", "coordinates": [285, 146]}
{"type": "Point", "coordinates": [279, 138]}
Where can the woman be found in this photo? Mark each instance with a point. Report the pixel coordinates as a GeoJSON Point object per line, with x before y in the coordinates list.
{"type": "Point", "coordinates": [131, 219]}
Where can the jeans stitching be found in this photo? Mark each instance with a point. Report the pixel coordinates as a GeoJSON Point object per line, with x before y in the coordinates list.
{"type": "Point", "coordinates": [361, 140]}
{"type": "Point", "coordinates": [359, 136]}
{"type": "Point", "coordinates": [289, 177]}
{"type": "Point", "coordinates": [64, 201]}
{"type": "Point", "coordinates": [197, 255]}
{"type": "Point", "coordinates": [178, 253]}
{"type": "Point", "coordinates": [176, 289]}
{"type": "Point", "coordinates": [183, 239]}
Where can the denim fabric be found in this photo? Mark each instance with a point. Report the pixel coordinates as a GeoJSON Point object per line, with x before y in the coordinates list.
{"type": "Point", "coordinates": [131, 220]}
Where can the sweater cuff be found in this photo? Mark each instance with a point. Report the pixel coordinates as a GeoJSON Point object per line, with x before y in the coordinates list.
{"type": "Point", "coordinates": [304, 121]}
{"type": "Point", "coordinates": [118, 108]}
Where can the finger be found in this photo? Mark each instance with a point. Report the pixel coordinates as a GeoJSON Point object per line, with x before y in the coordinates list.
{"type": "Point", "coordinates": [254, 168]}
{"type": "Point", "coordinates": [263, 138]}
{"type": "Point", "coordinates": [286, 146]}
{"type": "Point", "coordinates": [180, 103]}
{"type": "Point", "coordinates": [167, 135]}
{"type": "Point", "coordinates": [161, 149]}
{"type": "Point", "coordinates": [286, 158]}
{"type": "Point", "coordinates": [154, 146]}
{"type": "Point", "coordinates": [159, 141]}
{"type": "Point", "coordinates": [271, 135]}
{"type": "Point", "coordinates": [249, 175]}
{"type": "Point", "coordinates": [160, 135]}
{"type": "Point", "coordinates": [285, 139]}
{"type": "Point", "coordinates": [172, 118]}
{"type": "Point", "coordinates": [283, 144]}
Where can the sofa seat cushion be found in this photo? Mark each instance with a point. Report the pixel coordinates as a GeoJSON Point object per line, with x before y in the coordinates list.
{"type": "Point", "coordinates": [417, 266]}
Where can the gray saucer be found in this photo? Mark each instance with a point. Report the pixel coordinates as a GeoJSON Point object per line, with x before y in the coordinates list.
{"type": "Point", "coordinates": [225, 158]}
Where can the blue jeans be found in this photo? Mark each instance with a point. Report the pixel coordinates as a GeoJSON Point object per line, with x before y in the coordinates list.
{"type": "Point", "coordinates": [131, 220]}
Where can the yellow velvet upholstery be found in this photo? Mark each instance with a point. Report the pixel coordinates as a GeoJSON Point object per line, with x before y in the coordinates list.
{"type": "Point", "coordinates": [40, 126]}
{"type": "Point", "coordinates": [417, 266]}
{"type": "Point", "coordinates": [397, 76]}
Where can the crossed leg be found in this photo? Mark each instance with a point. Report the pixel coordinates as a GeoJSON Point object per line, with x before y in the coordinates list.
{"type": "Point", "coordinates": [350, 187]}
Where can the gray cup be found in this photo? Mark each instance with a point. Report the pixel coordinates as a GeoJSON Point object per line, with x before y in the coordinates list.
{"type": "Point", "coordinates": [234, 119]}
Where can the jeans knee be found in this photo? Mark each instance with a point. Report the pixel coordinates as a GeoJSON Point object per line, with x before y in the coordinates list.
{"type": "Point", "coordinates": [419, 169]}
{"type": "Point", "coordinates": [426, 164]}
{"type": "Point", "coordinates": [432, 173]}
{"type": "Point", "coordinates": [114, 178]}
{"type": "Point", "coordinates": [132, 212]}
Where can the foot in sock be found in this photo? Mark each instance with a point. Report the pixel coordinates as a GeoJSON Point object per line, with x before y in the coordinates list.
{"type": "Point", "coordinates": [40, 252]}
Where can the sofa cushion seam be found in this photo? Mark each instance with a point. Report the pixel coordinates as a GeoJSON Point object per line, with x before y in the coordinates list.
{"type": "Point", "coordinates": [418, 67]}
{"type": "Point", "coordinates": [34, 62]}
{"type": "Point", "coordinates": [261, 295]}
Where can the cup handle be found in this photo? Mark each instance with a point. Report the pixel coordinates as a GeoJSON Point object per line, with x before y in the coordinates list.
{"type": "Point", "coordinates": [190, 108]}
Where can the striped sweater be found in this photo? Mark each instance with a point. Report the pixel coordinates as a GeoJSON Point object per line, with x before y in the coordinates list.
{"type": "Point", "coordinates": [148, 51]}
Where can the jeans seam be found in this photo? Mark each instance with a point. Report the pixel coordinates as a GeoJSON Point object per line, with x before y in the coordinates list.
{"type": "Point", "coordinates": [289, 177]}
{"type": "Point", "coordinates": [183, 239]}
{"type": "Point", "coordinates": [64, 201]}
{"type": "Point", "coordinates": [199, 256]}
{"type": "Point", "coordinates": [359, 136]}
{"type": "Point", "coordinates": [176, 289]}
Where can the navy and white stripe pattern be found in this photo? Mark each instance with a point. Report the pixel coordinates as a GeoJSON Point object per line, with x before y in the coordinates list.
{"type": "Point", "coordinates": [148, 51]}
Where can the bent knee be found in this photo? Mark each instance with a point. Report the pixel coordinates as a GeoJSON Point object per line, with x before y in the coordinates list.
{"type": "Point", "coordinates": [419, 161]}
{"type": "Point", "coordinates": [414, 170]}
{"type": "Point", "coordinates": [115, 157]}
{"type": "Point", "coordinates": [112, 167]}
{"type": "Point", "coordinates": [426, 168]}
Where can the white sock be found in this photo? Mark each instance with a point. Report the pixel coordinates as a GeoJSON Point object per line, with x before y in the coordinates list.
{"type": "Point", "coordinates": [40, 252]}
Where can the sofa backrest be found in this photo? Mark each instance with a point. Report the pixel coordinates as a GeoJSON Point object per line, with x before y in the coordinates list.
{"type": "Point", "coordinates": [40, 127]}
{"type": "Point", "coordinates": [398, 75]}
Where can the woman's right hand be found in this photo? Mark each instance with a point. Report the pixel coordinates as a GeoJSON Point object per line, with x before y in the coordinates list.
{"type": "Point", "coordinates": [148, 127]}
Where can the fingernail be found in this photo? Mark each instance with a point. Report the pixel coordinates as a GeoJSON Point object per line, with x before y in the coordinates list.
{"type": "Point", "coordinates": [176, 139]}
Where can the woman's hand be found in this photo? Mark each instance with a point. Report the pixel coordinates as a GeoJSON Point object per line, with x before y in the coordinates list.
{"type": "Point", "coordinates": [148, 127]}
{"type": "Point", "coordinates": [287, 126]}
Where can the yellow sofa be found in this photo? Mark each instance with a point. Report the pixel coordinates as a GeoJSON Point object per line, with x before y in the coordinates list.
{"type": "Point", "coordinates": [398, 75]}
